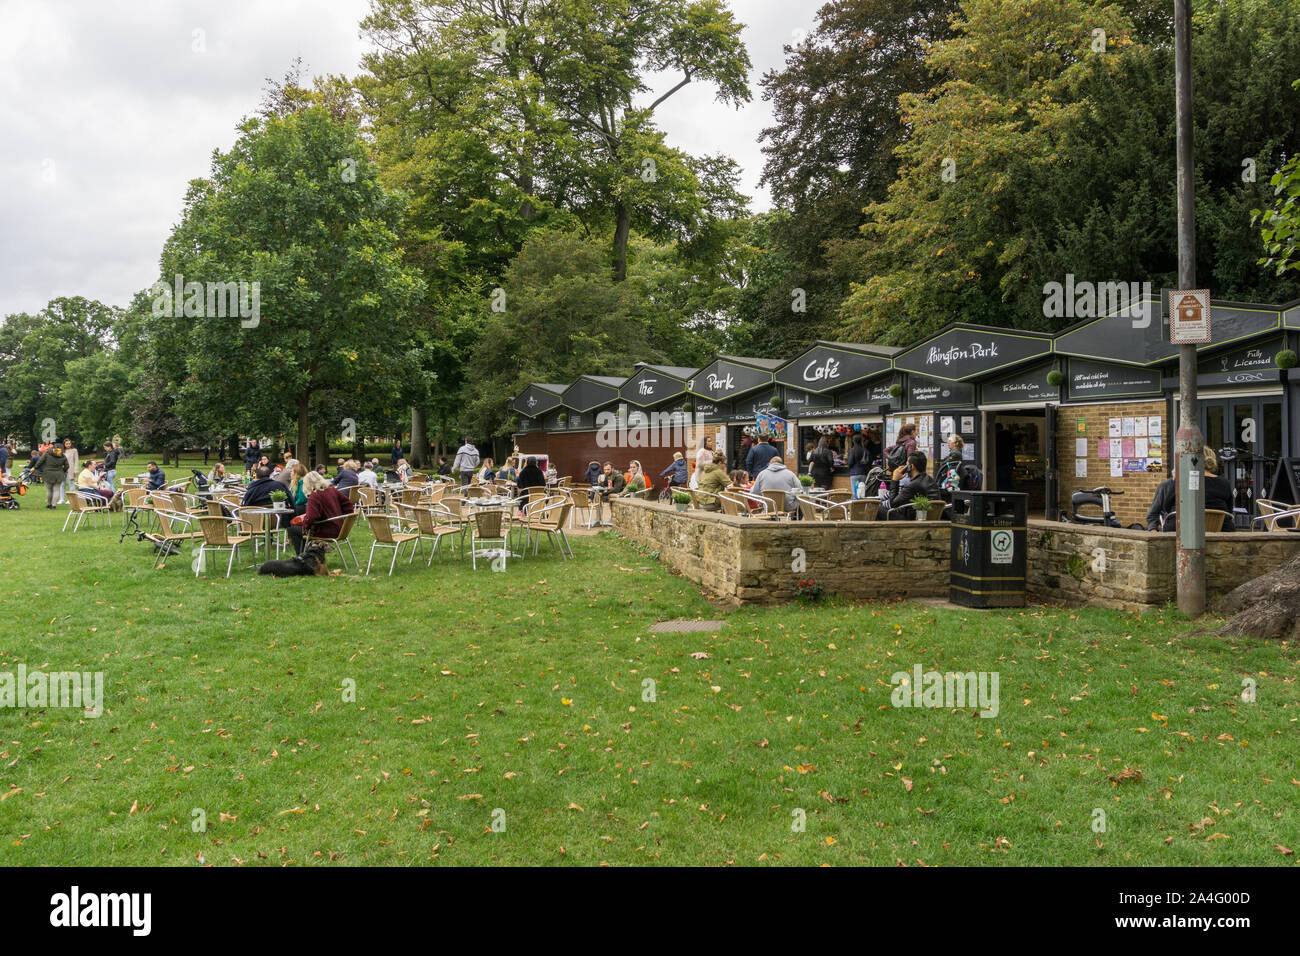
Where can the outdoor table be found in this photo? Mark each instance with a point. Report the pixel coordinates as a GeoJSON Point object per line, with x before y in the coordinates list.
{"type": "Point", "coordinates": [267, 529]}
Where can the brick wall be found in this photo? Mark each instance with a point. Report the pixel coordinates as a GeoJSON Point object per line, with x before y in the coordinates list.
{"type": "Point", "coordinates": [1139, 489]}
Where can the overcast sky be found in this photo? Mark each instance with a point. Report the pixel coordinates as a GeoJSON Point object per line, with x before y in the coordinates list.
{"type": "Point", "coordinates": [109, 107]}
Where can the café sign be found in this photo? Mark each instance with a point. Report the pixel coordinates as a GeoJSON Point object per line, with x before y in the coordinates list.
{"type": "Point", "coordinates": [822, 368]}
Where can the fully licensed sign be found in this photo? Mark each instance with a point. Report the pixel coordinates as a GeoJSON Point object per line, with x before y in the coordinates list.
{"type": "Point", "coordinates": [1248, 365]}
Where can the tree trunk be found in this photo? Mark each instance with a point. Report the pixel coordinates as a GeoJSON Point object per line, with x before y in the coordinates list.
{"type": "Point", "coordinates": [1267, 606]}
{"type": "Point", "coordinates": [304, 425]}
{"type": "Point", "coordinates": [232, 448]}
{"type": "Point", "coordinates": [419, 451]}
{"type": "Point", "coordinates": [322, 446]}
{"type": "Point", "coordinates": [622, 228]}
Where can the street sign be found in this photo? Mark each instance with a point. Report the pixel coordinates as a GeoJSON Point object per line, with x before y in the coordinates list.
{"type": "Point", "coordinates": [1189, 316]}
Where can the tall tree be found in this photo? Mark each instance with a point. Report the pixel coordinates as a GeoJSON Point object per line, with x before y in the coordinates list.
{"type": "Point", "coordinates": [296, 207]}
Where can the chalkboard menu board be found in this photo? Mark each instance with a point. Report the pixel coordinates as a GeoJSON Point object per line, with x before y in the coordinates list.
{"type": "Point", "coordinates": [1286, 482]}
{"type": "Point", "coordinates": [923, 392]}
{"type": "Point", "coordinates": [1090, 380]}
{"type": "Point", "coordinates": [1028, 386]}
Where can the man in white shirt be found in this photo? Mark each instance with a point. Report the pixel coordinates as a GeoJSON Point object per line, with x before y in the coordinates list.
{"type": "Point", "coordinates": [366, 476]}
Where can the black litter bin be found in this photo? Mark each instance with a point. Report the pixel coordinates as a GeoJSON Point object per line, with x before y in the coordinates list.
{"type": "Point", "coordinates": [988, 549]}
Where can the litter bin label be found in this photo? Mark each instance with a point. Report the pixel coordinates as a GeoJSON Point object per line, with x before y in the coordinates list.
{"type": "Point", "coordinates": [1003, 547]}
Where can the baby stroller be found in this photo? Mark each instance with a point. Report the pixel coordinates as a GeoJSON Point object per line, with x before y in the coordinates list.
{"type": "Point", "coordinates": [7, 488]}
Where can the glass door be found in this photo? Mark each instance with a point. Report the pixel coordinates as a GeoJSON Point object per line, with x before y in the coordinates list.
{"type": "Point", "coordinates": [1247, 434]}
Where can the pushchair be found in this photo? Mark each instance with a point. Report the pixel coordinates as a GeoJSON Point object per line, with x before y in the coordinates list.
{"type": "Point", "coordinates": [8, 500]}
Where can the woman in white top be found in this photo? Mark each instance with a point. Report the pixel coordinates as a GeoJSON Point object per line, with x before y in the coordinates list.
{"type": "Point", "coordinates": [703, 458]}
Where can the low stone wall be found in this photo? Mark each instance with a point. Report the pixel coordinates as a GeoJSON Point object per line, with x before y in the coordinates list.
{"type": "Point", "coordinates": [746, 561]}
{"type": "Point", "coordinates": [1064, 566]}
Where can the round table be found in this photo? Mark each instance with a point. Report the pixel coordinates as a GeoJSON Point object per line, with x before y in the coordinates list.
{"type": "Point", "coordinates": [267, 529]}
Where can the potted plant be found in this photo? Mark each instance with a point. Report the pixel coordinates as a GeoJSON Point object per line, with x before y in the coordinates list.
{"type": "Point", "coordinates": [922, 505]}
{"type": "Point", "coordinates": [806, 480]}
{"type": "Point", "coordinates": [681, 499]}
{"type": "Point", "coordinates": [278, 497]}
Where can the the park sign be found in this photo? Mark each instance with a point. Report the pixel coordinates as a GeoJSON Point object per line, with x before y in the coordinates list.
{"type": "Point", "coordinates": [728, 376]}
{"type": "Point", "coordinates": [1189, 316]}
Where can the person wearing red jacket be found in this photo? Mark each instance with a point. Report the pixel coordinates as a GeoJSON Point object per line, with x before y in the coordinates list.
{"type": "Point", "coordinates": [324, 503]}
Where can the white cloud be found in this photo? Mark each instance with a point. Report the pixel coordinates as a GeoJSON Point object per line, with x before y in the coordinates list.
{"type": "Point", "coordinates": [108, 109]}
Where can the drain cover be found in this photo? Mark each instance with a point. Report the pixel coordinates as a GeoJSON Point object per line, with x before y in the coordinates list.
{"type": "Point", "coordinates": [680, 627]}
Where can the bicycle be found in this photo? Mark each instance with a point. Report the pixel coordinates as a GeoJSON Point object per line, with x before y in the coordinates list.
{"type": "Point", "coordinates": [1098, 498]}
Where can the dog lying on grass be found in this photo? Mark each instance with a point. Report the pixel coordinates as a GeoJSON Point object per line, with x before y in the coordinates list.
{"type": "Point", "coordinates": [311, 561]}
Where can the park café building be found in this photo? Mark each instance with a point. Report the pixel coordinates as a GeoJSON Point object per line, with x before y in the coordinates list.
{"type": "Point", "coordinates": [1045, 414]}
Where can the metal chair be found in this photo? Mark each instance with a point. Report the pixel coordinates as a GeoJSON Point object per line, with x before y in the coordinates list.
{"type": "Point", "coordinates": [346, 523]}
{"type": "Point", "coordinates": [81, 506]}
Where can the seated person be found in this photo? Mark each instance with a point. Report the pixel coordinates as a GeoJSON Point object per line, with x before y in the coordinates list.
{"type": "Point", "coordinates": [218, 474]}
{"type": "Point", "coordinates": [157, 478]}
{"type": "Point", "coordinates": [507, 472]}
{"type": "Point", "coordinates": [487, 473]}
{"type": "Point", "coordinates": [713, 481]}
{"type": "Point", "coordinates": [88, 483]}
{"type": "Point", "coordinates": [530, 476]}
{"type": "Point", "coordinates": [1164, 504]}
{"type": "Point", "coordinates": [366, 476]}
{"type": "Point", "coordinates": [919, 485]}
{"type": "Point", "coordinates": [1219, 495]}
{"type": "Point", "coordinates": [777, 477]}
{"type": "Point", "coordinates": [258, 493]}
{"type": "Point", "coordinates": [324, 503]}
{"type": "Point", "coordinates": [444, 466]}
{"type": "Point", "coordinates": [347, 476]}
{"type": "Point", "coordinates": [635, 478]}
{"type": "Point", "coordinates": [608, 483]}
{"type": "Point", "coordinates": [405, 471]}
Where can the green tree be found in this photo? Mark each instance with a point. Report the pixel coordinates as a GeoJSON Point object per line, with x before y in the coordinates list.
{"type": "Point", "coordinates": [296, 207]}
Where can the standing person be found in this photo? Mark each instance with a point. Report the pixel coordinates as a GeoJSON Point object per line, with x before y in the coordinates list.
{"type": "Point", "coordinates": [251, 454]}
{"type": "Point", "coordinates": [859, 464]}
{"type": "Point", "coordinates": [703, 458]}
{"type": "Point", "coordinates": [74, 467]}
{"type": "Point", "coordinates": [466, 462]}
{"type": "Point", "coordinates": [907, 445]}
{"type": "Point", "coordinates": [397, 452]}
{"type": "Point", "coordinates": [207, 453]}
{"type": "Point", "coordinates": [760, 455]}
{"type": "Point", "coordinates": [5, 454]}
{"type": "Point", "coordinates": [53, 468]}
{"type": "Point", "coordinates": [821, 463]}
{"type": "Point", "coordinates": [746, 443]}
{"type": "Point", "coordinates": [110, 464]}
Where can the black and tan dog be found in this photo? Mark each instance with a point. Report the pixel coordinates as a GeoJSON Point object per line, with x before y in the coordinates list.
{"type": "Point", "coordinates": [311, 561]}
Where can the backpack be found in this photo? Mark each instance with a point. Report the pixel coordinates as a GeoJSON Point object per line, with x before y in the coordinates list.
{"type": "Point", "coordinates": [895, 456]}
{"type": "Point", "coordinates": [950, 478]}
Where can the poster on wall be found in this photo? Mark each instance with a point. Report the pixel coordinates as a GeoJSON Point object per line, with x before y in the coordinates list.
{"type": "Point", "coordinates": [1134, 465]}
{"type": "Point", "coordinates": [1081, 448]}
{"type": "Point", "coordinates": [1081, 426]}
{"type": "Point", "coordinates": [968, 424]}
{"type": "Point", "coordinates": [1116, 448]}
{"type": "Point", "coordinates": [947, 425]}
{"type": "Point", "coordinates": [1140, 447]}
{"type": "Point", "coordinates": [1140, 427]}
{"type": "Point", "coordinates": [1103, 447]}
{"type": "Point", "coordinates": [1081, 468]}
{"type": "Point", "coordinates": [968, 451]}
{"type": "Point", "coordinates": [1114, 431]}
{"type": "Point", "coordinates": [1117, 467]}
{"type": "Point", "coordinates": [1127, 427]}
{"type": "Point", "coordinates": [1153, 425]}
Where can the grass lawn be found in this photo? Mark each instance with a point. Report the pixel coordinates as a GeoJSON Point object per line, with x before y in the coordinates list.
{"type": "Point", "coordinates": [523, 692]}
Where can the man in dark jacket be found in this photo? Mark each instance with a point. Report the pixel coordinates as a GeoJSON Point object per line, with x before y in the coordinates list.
{"type": "Point", "coordinates": [157, 477]}
{"type": "Point", "coordinates": [759, 456]}
{"type": "Point", "coordinates": [397, 452]}
{"type": "Point", "coordinates": [444, 466]}
{"type": "Point", "coordinates": [251, 456]}
{"type": "Point", "coordinates": [258, 493]}
{"type": "Point", "coordinates": [919, 485]}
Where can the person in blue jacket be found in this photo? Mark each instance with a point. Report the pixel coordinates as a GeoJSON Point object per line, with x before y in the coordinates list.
{"type": "Point", "coordinates": [676, 475]}
{"type": "Point", "coordinates": [760, 455]}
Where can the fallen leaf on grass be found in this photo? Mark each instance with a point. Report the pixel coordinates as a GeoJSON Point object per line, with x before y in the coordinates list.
{"type": "Point", "coordinates": [1283, 850]}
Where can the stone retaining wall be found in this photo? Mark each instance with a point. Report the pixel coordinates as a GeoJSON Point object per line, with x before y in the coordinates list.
{"type": "Point", "coordinates": [745, 561]}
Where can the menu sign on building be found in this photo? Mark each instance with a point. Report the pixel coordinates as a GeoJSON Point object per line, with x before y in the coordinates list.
{"type": "Point", "coordinates": [923, 392]}
{"type": "Point", "coordinates": [1028, 386]}
{"type": "Point", "coordinates": [1101, 380]}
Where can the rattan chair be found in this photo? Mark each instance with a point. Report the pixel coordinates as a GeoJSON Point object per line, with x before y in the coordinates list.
{"type": "Point", "coordinates": [83, 506]}
{"type": "Point", "coordinates": [386, 537]}
{"type": "Point", "coordinates": [346, 523]}
{"type": "Point", "coordinates": [491, 525]}
{"type": "Point", "coordinates": [167, 535]}
{"type": "Point", "coordinates": [217, 537]}
{"type": "Point", "coordinates": [549, 520]}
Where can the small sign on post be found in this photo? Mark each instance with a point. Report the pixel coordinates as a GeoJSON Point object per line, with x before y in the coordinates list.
{"type": "Point", "coordinates": [1189, 316]}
